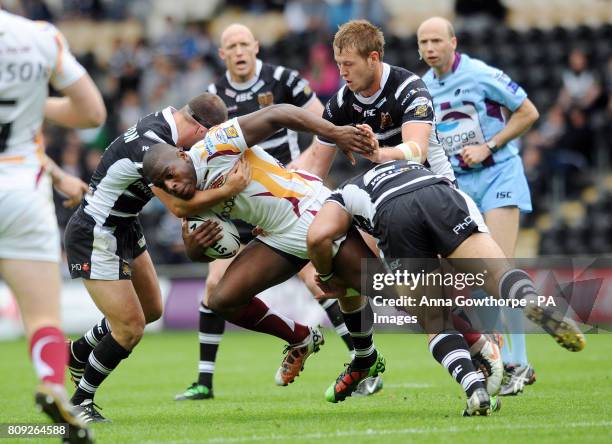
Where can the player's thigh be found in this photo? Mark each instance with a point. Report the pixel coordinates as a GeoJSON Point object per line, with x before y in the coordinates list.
{"type": "Point", "coordinates": [479, 253]}
{"type": "Point", "coordinates": [119, 303]}
{"type": "Point", "coordinates": [145, 282]}
{"type": "Point", "coordinates": [503, 225]}
{"type": "Point", "coordinates": [255, 269]}
{"type": "Point", "coordinates": [216, 270]}
{"type": "Point", "coordinates": [36, 286]}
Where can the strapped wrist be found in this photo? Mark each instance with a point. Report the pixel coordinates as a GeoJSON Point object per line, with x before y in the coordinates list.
{"type": "Point", "coordinates": [411, 150]}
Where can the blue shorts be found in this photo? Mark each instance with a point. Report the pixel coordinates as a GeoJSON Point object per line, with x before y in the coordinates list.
{"type": "Point", "coordinates": [500, 185]}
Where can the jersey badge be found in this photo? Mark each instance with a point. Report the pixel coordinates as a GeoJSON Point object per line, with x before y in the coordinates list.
{"type": "Point", "coordinates": [265, 99]}
{"type": "Point", "coordinates": [231, 132]}
{"type": "Point", "coordinates": [385, 121]}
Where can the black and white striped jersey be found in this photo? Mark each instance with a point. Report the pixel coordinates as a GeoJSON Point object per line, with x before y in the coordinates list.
{"type": "Point", "coordinates": [271, 84]}
{"type": "Point", "coordinates": [362, 195]}
{"type": "Point", "coordinates": [403, 98]}
{"type": "Point", "coordinates": [118, 191]}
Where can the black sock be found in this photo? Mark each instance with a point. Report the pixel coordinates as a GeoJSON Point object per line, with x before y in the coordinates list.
{"type": "Point", "coordinates": [516, 284]}
{"type": "Point", "coordinates": [212, 327]}
{"type": "Point", "coordinates": [82, 347]}
{"type": "Point", "coordinates": [332, 308]}
{"type": "Point", "coordinates": [101, 362]}
{"type": "Point", "coordinates": [360, 324]}
{"type": "Point", "coordinates": [450, 349]}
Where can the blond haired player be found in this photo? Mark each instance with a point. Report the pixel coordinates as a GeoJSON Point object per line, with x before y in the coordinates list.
{"type": "Point", "coordinates": [34, 55]}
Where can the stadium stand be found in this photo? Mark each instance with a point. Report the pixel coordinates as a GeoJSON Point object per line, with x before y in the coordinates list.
{"type": "Point", "coordinates": [566, 155]}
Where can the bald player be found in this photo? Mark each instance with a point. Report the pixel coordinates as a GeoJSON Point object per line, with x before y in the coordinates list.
{"type": "Point", "coordinates": [247, 86]}
{"type": "Point", "coordinates": [480, 114]}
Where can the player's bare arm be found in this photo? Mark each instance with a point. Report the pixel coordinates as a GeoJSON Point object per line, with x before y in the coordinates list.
{"type": "Point", "coordinates": [332, 222]}
{"type": "Point", "coordinates": [317, 158]}
{"type": "Point", "coordinates": [261, 124]}
{"type": "Point", "coordinates": [237, 180]}
{"type": "Point", "coordinates": [70, 186]}
{"type": "Point", "coordinates": [520, 121]}
{"type": "Point", "coordinates": [81, 107]}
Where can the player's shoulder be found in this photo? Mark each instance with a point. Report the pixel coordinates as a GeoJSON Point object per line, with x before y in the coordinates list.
{"type": "Point", "coordinates": [36, 31]}
{"type": "Point", "coordinates": [225, 132]}
{"type": "Point", "coordinates": [278, 73]}
{"type": "Point", "coordinates": [477, 68]}
{"type": "Point", "coordinates": [401, 81]}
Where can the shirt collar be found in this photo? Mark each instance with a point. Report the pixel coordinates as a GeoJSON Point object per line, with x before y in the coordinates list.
{"type": "Point", "coordinates": [454, 66]}
{"type": "Point", "coordinates": [248, 83]}
{"type": "Point", "coordinates": [167, 113]}
{"type": "Point", "coordinates": [383, 82]}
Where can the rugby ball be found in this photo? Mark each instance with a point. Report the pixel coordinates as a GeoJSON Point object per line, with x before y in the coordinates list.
{"type": "Point", "coordinates": [228, 245]}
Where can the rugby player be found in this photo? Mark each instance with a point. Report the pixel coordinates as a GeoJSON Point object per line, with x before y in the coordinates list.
{"type": "Point", "coordinates": [34, 55]}
{"type": "Point", "coordinates": [281, 202]}
{"type": "Point", "coordinates": [399, 203]}
{"type": "Point", "coordinates": [480, 114]}
{"type": "Point", "coordinates": [396, 105]}
{"type": "Point", "coordinates": [248, 85]}
{"type": "Point", "coordinates": [105, 245]}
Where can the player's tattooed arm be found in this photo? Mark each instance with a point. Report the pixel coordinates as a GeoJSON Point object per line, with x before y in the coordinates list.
{"type": "Point", "coordinates": [261, 124]}
{"type": "Point", "coordinates": [237, 180]}
{"type": "Point", "coordinates": [70, 186]}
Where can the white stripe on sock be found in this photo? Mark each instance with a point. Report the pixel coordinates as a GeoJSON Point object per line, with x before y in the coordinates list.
{"type": "Point", "coordinates": [341, 329]}
{"type": "Point", "coordinates": [206, 367]}
{"type": "Point", "coordinates": [207, 338]}
{"type": "Point", "coordinates": [362, 353]}
{"type": "Point", "coordinates": [98, 365]}
{"type": "Point", "coordinates": [453, 356]}
{"type": "Point", "coordinates": [86, 386]}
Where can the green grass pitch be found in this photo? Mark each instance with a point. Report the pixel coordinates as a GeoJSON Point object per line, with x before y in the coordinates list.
{"type": "Point", "coordinates": [570, 402]}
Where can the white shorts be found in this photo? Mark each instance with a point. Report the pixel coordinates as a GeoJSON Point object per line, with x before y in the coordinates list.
{"type": "Point", "coordinates": [28, 225]}
{"type": "Point", "coordinates": [293, 240]}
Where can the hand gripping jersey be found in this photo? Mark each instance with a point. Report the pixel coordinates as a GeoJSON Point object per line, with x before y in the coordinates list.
{"type": "Point", "coordinates": [275, 198]}
{"type": "Point", "coordinates": [403, 98]}
{"type": "Point", "coordinates": [32, 55]}
{"type": "Point", "coordinates": [469, 101]}
{"type": "Point", "coordinates": [271, 84]}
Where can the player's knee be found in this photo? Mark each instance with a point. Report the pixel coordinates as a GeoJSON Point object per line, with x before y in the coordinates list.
{"type": "Point", "coordinates": [129, 330]}
{"type": "Point", "coordinates": [218, 301]}
{"type": "Point", "coordinates": [154, 313]}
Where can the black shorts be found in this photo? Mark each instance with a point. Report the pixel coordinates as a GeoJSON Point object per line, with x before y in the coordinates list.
{"type": "Point", "coordinates": [99, 252]}
{"type": "Point", "coordinates": [426, 223]}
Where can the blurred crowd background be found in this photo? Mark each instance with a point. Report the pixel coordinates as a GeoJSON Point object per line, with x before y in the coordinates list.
{"type": "Point", "coordinates": [148, 54]}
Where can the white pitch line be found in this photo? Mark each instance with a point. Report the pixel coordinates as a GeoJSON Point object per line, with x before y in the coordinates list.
{"type": "Point", "coordinates": [386, 432]}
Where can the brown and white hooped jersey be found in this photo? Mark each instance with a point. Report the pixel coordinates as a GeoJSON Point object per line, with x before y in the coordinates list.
{"type": "Point", "coordinates": [32, 56]}
{"type": "Point", "coordinates": [271, 84]}
{"type": "Point", "coordinates": [276, 197]}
